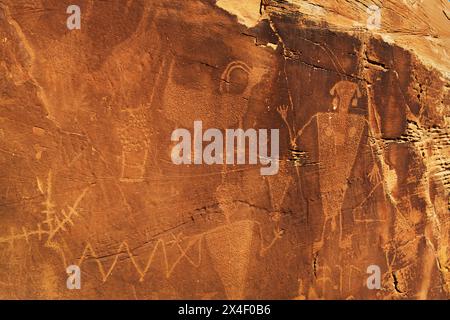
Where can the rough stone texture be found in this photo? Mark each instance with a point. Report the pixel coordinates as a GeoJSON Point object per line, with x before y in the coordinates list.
{"type": "Point", "coordinates": [86, 176]}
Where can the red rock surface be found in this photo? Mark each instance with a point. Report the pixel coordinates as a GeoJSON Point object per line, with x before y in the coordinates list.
{"type": "Point", "coordinates": [87, 179]}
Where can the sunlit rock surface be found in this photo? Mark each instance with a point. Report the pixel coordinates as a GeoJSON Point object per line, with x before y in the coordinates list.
{"type": "Point", "coordinates": [86, 118]}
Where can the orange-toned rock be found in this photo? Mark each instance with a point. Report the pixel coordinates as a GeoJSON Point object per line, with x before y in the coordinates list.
{"type": "Point", "coordinates": [86, 117]}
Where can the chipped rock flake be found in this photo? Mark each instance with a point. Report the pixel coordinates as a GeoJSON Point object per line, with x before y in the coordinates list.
{"type": "Point", "coordinates": [247, 12]}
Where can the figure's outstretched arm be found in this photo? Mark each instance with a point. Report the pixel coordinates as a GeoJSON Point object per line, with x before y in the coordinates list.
{"type": "Point", "coordinates": [374, 175]}
{"type": "Point", "coordinates": [300, 132]}
{"type": "Point", "coordinates": [283, 111]}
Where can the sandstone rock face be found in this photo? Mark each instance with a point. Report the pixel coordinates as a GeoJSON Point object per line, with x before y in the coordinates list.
{"type": "Point", "coordinates": [86, 118]}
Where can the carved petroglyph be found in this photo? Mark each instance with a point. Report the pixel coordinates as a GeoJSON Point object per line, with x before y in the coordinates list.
{"type": "Point", "coordinates": [124, 249]}
{"type": "Point", "coordinates": [135, 138]}
{"type": "Point", "coordinates": [234, 236]}
{"type": "Point", "coordinates": [340, 278]}
{"type": "Point", "coordinates": [283, 111]}
{"type": "Point", "coordinates": [239, 235]}
{"type": "Point", "coordinates": [223, 110]}
{"type": "Point", "coordinates": [226, 86]}
{"type": "Point", "coordinates": [183, 245]}
{"type": "Point", "coordinates": [345, 94]}
{"type": "Point", "coordinates": [54, 222]}
{"type": "Point", "coordinates": [339, 136]}
{"type": "Point", "coordinates": [231, 259]}
{"type": "Point", "coordinates": [98, 106]}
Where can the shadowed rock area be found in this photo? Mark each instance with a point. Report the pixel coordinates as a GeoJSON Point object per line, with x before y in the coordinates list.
{"type": "Point", "coordinates": [86, 178]}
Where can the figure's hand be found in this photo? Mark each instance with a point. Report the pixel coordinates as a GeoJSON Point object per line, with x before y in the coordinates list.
{"type": "Point", "coordinates": [283, 110]}
{"type": "Point", "coordinates": [278, 233]}
{"type": "Point", "coordinates": [374, 175]}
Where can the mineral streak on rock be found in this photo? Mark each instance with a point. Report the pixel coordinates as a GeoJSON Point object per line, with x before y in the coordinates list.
{"type": "Point", "coordinates": [86, 118]}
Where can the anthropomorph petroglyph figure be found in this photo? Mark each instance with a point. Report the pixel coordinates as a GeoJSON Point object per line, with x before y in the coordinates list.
{"type": "Point", "coordinates": [237, 237]}
{"type": "Point", "coordinates": [223, 106]}
{"type": "Point", "coordinates": [339, 135]}
{"type": "Point", "coordinates": [228, 98]}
